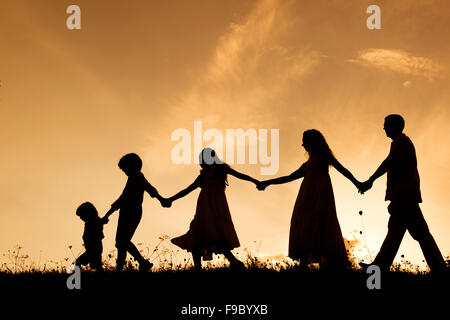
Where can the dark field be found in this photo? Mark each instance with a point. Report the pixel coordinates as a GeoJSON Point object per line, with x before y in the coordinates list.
{"type": "Point", "coordinates": [287, 294]}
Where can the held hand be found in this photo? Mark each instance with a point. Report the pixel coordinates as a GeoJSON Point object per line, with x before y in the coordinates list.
{"type": "Point", "coordinates": [104, 220]}
{"type": "Point", "coordinates": [365, 186]}
{"type": "Point", "coordinates": [261, 185]}
{"type": "Point", "coordinates": [358, 185]}
{"type": "Point", "coordinates": [166, 203]}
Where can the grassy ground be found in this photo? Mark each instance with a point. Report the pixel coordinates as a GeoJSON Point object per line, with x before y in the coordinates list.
{"type": "Point", "coordinates": [286, 293]}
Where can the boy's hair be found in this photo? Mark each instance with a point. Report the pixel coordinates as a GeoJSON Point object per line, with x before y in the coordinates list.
{"type": "Point", "coordinates": [86, 209]}
{"type": "Point", "coordinates": [396, 121]}
{"type": "Point", "coordinates": [130, 161]}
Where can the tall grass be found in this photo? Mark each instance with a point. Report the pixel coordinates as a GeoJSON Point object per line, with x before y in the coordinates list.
{"type": "Point", "coordinates": [167, 258]}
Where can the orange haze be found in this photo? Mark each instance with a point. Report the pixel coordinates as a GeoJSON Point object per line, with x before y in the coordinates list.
{"type": "Point", "coordinates": [73, 102]}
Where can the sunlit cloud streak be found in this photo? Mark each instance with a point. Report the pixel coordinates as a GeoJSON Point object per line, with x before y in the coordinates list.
{"type": "Point", "coordinates": [251, 65]}
{"type": "Point", "coordinates": [398, 61]}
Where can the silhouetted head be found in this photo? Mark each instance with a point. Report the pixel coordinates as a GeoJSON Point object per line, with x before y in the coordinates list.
{"type": "Point", "coordinates": [393, 125]}
{"type": "Point", "coordinates": [209, 160]}
{"type": "Point", "coordinates": [130, 164]}
{"type": "Point", "coordinates": [86, 211]}
{"type": "Point", "coordinates": [208, 157]}
{"type": "Point", "coordinates": [314, 141]}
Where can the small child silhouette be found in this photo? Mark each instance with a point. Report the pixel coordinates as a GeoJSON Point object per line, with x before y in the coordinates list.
{"type": "Point", "coordinates": [92, 236]}
{"type": "Point", "coordinates": [211, 230]}
{"type": "Point", "coordinates": [130, 205]}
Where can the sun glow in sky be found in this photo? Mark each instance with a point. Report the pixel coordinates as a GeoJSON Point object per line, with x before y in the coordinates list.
{"type": "Point", "coordinates": [73, 102]}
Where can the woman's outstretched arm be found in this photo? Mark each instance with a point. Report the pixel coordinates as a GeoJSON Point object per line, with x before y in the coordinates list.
{"type": "Point", "coordinates": [297, 174]}
{"type": "Point", "coordinates": [241, 176]}
{"type": "Point", "coordinates": [186, 191]}
{"type": "Point", "coordinates": [340, 168]}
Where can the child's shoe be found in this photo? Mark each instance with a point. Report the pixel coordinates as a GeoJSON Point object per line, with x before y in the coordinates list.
{"type": "Point", "coordinates": [145, 266]}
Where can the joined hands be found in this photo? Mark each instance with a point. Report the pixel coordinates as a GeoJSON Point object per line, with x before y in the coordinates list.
{"type": "Point", "coordinates": [166, 202]}
{"type": "Point", "coordinates": [261, 185]}
{"type": "Point", "coordinates": [364, 186]}
{"type": "Point", "coordinates": [104, 220]}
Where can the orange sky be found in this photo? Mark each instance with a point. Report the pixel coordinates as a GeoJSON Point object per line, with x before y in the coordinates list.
{"type": "Point", "coordinates": [73, 102]}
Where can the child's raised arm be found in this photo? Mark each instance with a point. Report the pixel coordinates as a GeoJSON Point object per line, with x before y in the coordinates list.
{"type": "Point", "coordinates": [241, 176]}
{"type": "Point", "coordinates": [115, 206]}
{"type": "Point", "coordinates": [151, 190]}
{"type": "Point", "coordinates": [186, 191]}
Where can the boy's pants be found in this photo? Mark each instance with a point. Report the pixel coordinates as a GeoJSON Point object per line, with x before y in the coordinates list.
{"type": "Point", "coordinates": [93, 257]}
{"type": "Point", "coordinates": [127, 225]}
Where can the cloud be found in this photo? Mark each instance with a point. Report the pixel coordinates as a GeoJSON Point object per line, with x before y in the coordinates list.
{"type": "Point", "coordinates": [407, 84]}
{"type": "Point", "coordinates": [248, 47]}
{"type": "Point", "coordinates": [398, 61]}
{"type": "Point", "coordinates": [253, 64]}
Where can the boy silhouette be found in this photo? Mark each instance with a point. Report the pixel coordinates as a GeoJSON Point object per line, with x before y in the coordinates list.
{"type": "Point", "coordinates": [403, 190]}
{"type": "Point", "coordinates": [92, 236]}
{"type": "Point", "coordinates": [130, 205]}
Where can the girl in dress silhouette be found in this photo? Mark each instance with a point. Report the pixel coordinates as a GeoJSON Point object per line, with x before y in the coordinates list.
{"type": "Point", "coordinates": [211, 230]}
{"type": "Point", "coordinates": [315, 234]}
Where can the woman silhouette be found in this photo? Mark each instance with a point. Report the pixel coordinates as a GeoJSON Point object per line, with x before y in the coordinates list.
{"type": "Point", "coordinates": [315, 234]}
{"type": "Point", "coordinates": [211, 230]}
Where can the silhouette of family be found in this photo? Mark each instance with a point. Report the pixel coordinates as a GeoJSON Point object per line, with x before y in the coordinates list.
{"type": "Point", "coordinates": [315, 234]}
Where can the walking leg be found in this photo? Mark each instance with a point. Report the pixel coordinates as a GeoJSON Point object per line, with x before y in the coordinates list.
{"type": "Point", "coordinates": [131, 248]}
{"type": "Point", "coordinates": [235, 263]}
{"type": "Point", "coordinates": [390, 246]}
{"type": "Point", "coordinates": [432, 254]}
{"type": "Point", "coordinates": [418, 229]}
{"type": "Point", "coordinates": [82, 260]}
{"type": "Point", "coordinates": [197, 258]}
{"type": "Point", "coordinates": [121, 256]}
{"type": "Point", "coordinates": [144, 264]}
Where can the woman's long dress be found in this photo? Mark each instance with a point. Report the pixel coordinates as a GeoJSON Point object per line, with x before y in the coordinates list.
{"type": "Point", "coordinates": [315, 230]}
{"type": "Point", "coordinates": [211, 230]}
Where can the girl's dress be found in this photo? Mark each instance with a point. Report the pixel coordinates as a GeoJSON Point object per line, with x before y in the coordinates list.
{"type": "Point", "coordinates": [211, 230]}
{"type": "Point", "coordinates": [315, 230]}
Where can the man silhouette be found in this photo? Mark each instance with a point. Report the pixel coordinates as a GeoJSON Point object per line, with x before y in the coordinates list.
{"type": "Point", "coordinates": [403, 190]}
